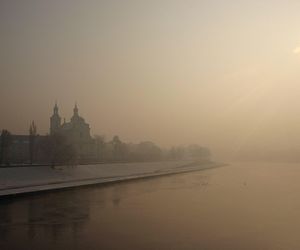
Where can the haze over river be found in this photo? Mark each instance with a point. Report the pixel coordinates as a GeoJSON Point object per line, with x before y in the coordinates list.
{"type": "Point", "coordinates": [239, 206]}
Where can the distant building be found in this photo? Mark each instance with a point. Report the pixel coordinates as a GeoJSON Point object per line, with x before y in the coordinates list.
{"type": "Point", "coordinates": [77, 132]}
{"type": "Point", "coordinates": [19, 149]}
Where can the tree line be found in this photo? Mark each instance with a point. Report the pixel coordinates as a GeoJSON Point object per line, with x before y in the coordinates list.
{"type": "Point", "coordinates": [56, 150]}
{"type": "Point", "coordinates": [116, 150]}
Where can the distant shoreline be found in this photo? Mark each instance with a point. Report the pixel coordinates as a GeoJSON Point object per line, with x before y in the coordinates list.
{"type": "Point", "coordinates": [26, 180]}
{"type": "Point", "coordinates": [86, 164]}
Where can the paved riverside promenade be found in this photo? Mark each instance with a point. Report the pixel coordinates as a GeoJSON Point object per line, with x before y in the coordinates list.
{"type": "Point", "coordinates": [20, 180]}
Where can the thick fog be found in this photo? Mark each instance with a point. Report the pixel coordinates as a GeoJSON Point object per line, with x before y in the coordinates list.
{"type": "Point", "coordinates": [222, 74]}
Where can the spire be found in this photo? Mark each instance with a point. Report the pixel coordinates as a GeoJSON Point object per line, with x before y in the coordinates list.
{"type": "Point", "coordinates": [55, 108]}
{"type": "Point", "coordinates": [55, 120]}
{"type": "Point", "coordinates": [75, 109]}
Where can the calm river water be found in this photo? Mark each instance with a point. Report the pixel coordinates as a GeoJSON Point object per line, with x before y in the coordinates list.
{"type": "Point", "coordinates": [240, 206]}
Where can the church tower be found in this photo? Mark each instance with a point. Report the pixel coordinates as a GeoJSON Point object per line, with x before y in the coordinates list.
{"type": "Point", "coordinates": [75, 110]}
{"type": "Point", "coordinates": [55, 121]}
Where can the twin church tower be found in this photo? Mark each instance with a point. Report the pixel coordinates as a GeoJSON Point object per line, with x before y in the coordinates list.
{"type": "Point", "coordinates": [77, 131]}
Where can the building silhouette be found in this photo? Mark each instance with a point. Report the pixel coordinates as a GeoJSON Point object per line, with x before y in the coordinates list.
{"type": "Point", "coordinates": [77, 132]}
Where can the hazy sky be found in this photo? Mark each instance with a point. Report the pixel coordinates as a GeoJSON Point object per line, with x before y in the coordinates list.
{"type": "Point", "coordinates": [219, 73]}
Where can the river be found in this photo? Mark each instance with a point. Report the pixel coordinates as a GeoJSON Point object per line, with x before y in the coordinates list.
{"type": "Point", "coordinates": [239, 206]}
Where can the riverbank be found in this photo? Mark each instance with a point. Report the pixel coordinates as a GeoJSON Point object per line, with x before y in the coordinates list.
{"type": "Point", "coordinates": [23, 180]}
